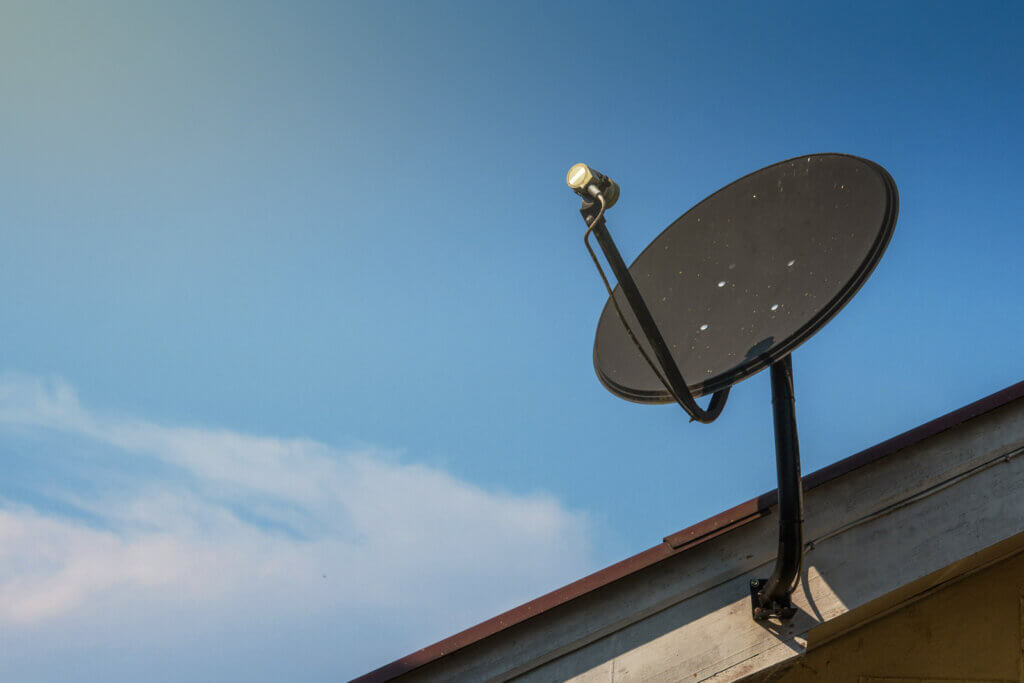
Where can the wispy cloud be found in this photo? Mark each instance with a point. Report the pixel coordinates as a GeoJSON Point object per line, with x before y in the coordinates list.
{"type": "Point", "coordinates": [203, 520]}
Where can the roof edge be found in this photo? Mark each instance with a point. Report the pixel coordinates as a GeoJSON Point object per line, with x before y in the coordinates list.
{"type": "Point", "coordinates": [690, 537]}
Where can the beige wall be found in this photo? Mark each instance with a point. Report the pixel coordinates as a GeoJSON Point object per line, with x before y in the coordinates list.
{"type": "Point", "coordinates": [971, 630]}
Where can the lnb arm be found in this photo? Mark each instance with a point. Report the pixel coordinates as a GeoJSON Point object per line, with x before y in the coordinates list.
{"type": "Point", "coordinates": [594, 205]}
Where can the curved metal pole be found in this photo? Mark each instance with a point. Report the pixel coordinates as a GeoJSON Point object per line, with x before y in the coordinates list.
{"type": "Point", "coordinates": [771, 597]}
{"type": "Point", "coordinates": [670, 376]}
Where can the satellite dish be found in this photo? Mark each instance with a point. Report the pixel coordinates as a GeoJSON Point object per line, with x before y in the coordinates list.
{"type": "Point", "coordinates": [746, 276]}
{"type": "Point", "coordinates": [733, 287]}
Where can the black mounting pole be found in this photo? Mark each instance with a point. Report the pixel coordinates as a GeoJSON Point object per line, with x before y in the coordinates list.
{"type": "Point", "coordinates": [771, 597]}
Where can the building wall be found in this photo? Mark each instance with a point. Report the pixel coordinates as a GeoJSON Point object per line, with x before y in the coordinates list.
{"type": "Point", "coordinates": [876, 537]}
{"type": "Point", "coordinates": [972, 630]}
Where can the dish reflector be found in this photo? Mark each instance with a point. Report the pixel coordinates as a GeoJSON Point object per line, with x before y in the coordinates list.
{"type": "Point", "coordinates": [746, 276]}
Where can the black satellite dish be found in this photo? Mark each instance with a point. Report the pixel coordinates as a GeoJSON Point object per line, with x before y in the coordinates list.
{"type": "Point", "coordinates": [734, 286]}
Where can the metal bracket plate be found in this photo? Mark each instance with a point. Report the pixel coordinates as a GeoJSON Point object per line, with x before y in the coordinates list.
{"type": "Point", "coordinates": [778, 609]}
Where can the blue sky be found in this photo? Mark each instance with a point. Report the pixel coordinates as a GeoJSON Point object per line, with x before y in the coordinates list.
{"type": "Point", "coordinates": [295, 375]}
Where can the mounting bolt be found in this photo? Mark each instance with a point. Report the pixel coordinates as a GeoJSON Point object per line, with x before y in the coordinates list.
{"type": "Point", "coordinates": [754, 583]}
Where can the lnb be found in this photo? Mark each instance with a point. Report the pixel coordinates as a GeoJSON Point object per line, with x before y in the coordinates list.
{"type": "Point", "coordinates": [586, 182]}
